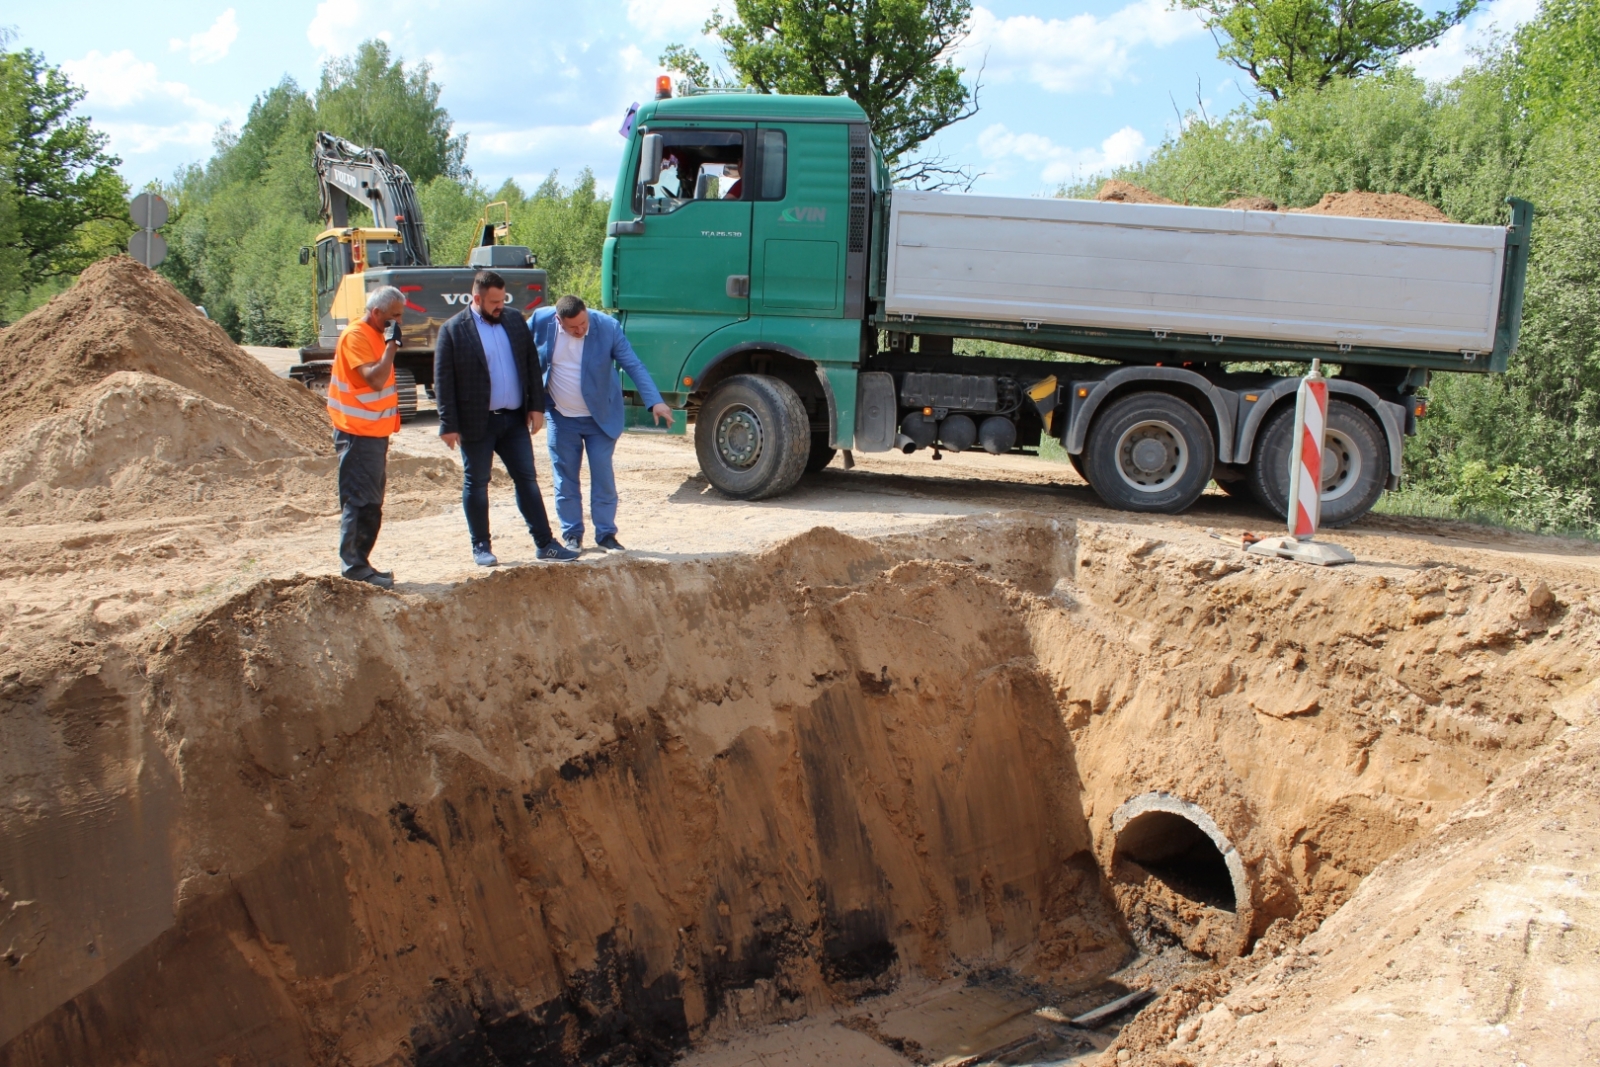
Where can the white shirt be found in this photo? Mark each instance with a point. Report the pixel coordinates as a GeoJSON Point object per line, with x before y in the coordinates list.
{"type": "Point", "coordinates": [566, 374]}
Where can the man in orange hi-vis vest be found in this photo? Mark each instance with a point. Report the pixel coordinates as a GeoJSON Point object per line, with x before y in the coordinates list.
{"type": "Point", "coordinates": [365, 412]}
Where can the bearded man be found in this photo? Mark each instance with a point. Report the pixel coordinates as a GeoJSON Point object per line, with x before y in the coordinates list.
{"type": "Point", "coordinates": [487, 380]}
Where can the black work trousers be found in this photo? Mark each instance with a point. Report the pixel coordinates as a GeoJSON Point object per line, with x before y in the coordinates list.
{"type": "Point", "coordinates": [363, 474]}
{"type": "Point", "coordinates": [507, 437]}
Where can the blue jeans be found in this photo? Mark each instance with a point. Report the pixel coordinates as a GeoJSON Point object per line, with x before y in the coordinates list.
{"type": "Point", "coordinates": [507, 437]}
{"type": "Point", "coordinates": [570, 437]}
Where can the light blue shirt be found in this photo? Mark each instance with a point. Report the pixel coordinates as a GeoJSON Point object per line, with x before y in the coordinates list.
{"type": "Point", "coordinates": [505, 388]}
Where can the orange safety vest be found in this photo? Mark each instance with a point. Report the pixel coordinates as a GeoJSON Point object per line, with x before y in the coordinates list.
{"type": "Point", "coordinates": [355, 406]}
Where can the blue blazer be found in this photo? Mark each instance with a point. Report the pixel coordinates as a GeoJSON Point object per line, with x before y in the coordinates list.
{"type": "Point", "coordinates": [605, 348]}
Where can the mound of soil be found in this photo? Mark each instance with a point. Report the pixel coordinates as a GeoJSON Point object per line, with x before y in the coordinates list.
{"type": "Point", "coordinates": [1252, 203]}
{"type": "Point", "coordinates": [1127, 193]}
{"type": "Point", "coordinates": [121, 399]}
{"type": "Point", "coordinates": [122, 316]}
{"type": "Point", "coordinates": [1375, 206]}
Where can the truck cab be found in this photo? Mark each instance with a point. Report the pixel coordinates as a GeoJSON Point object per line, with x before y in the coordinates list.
{"type": "Point", "coordinates": [744, 252]}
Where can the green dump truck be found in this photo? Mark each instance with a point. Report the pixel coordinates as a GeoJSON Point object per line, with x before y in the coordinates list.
{"type": "Point", "coordinates": [792, 304]}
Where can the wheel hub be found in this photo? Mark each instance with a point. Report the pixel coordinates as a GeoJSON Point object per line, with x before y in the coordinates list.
{"type": "Point", "coordinates": [739, 438]}
{"type": "Point", "coordinates": [1151, 456]}
{"type": "Point", "coordinates": [1341, 465]}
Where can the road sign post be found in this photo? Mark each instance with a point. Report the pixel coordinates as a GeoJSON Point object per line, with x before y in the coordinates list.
{"type": "Point", "coordinates": [1305, 480]}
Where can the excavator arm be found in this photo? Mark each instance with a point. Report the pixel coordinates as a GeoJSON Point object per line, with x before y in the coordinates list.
{"type": "Point", "coordinates": [347, 171]}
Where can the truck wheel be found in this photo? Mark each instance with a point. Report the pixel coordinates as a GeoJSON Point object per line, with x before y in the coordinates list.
{"type": "Point", "coordinates": [405, 392]}
{"type": "Point", "coordinates": [753, 437]}
{"type": "Point", "coordinates": [1355, 463]}
{"type": "Point", "coordinates": [822, 453]}
{"type": "Point", "coordinates": [1149, 452]}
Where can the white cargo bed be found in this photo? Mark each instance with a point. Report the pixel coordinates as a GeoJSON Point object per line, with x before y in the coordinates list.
{"type": "Point", "coordinates": [1318, 279]}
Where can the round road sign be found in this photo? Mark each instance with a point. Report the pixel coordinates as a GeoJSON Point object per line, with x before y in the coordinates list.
{"type": "Point", "coordinates": [149, 211]}
{"type": "Point", "coordinates": [147, 247]}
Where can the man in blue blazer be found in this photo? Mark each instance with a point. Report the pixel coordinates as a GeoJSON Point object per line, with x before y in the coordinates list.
{"type": "Point", "coordinates": [580, 352]}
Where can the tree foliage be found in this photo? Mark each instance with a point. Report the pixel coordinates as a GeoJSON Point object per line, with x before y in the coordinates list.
{"type": "Point", "coordinates": [372, 99]}
{"type": "Point", "coordinates": [62, 203]}
{"type": "Point", "coordinates": [892, 57]}
{"type": "Point", "coordinates": [1285, 45]}
{"type": "Point", "coordinates": [1557, 63]}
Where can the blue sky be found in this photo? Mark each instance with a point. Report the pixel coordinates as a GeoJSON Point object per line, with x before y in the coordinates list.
{"type": "Point", "coordinates": [1069, 87]}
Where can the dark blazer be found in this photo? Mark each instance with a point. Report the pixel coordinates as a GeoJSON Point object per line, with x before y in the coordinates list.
{"type": "Point", "coordinates": [604, 350]}
{"type": "Point", "coordinates": [461, 373]}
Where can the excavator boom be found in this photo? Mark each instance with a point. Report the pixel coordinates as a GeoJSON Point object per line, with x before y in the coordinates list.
{"type": "Point", "coordinates": [346, 171]}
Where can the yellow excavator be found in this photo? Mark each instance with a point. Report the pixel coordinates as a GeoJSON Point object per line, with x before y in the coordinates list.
{"type": "Point", "coordinates": [351, 261]}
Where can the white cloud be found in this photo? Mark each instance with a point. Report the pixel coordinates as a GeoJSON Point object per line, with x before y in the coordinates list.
{"type": "Point", "coordinates": [1068, 55]}
{"type": "Point", "coordinates": [140, 138]}
{"type": "Point", "coordinates": [211, 46]}
{"type": "Point", "coordinates": [534, 140]}
{"type": "Point", "coordinates": [1061, 163]}
{"type": "Point", "coordinates": [134, 94]}
{"type": "Point", "coordinates": [1454, 51]}
{"type": "Point", "coordinates": [338, 26]}
{"type": "Point", "coordinates": [661, 19]}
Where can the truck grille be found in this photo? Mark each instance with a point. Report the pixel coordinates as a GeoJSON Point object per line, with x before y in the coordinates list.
{"type": "Point", "coordinates": [858, 192]}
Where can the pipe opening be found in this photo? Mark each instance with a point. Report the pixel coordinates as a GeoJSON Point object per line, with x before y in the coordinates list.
{"type": "Point", "coordinates": [1181, 855]}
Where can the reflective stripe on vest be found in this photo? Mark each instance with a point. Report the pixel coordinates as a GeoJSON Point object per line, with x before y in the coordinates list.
{"type": "Point", "coordinates": [362, 413]}
{"type": "Point", "coordinates": [365, 398]}
{"type": "Point", "coordinates": [354, 406]}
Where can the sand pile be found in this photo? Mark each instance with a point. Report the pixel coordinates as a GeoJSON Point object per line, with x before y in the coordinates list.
{"type": "Point", "coordinates": [1375, 206]}
{"type": "Point", "coordinates": [1354, 205]}
{"type": "Point", "coordinates": [122, 316]}
{"type": "Point", "coordinates": [1122, 192]}
{"type": "Point", "coordinates": [119, 398]}
{"type": "Point", "coordinates": [1251, 203]}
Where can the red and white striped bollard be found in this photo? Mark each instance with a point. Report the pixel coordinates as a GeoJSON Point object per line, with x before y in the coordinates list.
{"type": "Point", "coordinates": [1305, 469]}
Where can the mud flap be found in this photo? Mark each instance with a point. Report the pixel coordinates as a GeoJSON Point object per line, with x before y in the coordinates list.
{"type": "Point", "coordinates": [875, 412]}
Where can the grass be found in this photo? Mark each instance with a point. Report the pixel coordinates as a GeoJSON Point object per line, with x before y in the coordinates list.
{"type": "Point", "coordinates": [1418, 503]}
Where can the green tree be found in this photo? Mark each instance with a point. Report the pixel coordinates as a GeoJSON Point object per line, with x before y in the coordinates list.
{"type": "Point", "coordinates": [1285, 45]}
{"type": "Point", "coordinates": [64, 204]}
{"type": "Point", "coordinates": [890, 56]}
{"type": "Point", "coordinates": [1557, 62]}
{"type": "Point", "coordinates": [372, 99]}
{"type": "Point", "coordinates": [239, 221]}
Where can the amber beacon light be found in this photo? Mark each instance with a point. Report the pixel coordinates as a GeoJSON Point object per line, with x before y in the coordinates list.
{"type": "Point", "coordinates": [663, 87]}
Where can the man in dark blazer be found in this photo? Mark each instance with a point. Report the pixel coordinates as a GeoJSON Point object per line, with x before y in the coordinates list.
{"type": "Point", "coordinates": [487, 379]}
{"type": "Point", "coordinates": [580, 352]}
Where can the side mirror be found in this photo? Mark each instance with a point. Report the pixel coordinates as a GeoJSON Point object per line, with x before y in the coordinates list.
{"type": "Point", "coordinates": [650, 151]}
{"type": "Point", "coordinates": [305, 255]}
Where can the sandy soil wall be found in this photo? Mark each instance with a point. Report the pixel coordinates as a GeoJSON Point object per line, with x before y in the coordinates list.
{"type": "Point", "coordinates": [584, 816]}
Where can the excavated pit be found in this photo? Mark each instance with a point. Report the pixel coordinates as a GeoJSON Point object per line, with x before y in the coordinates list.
{"type": "Point", "coordinates": [595, 815]}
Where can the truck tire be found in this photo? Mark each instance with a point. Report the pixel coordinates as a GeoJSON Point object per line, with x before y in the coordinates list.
{"type": "Point", "coordinates": [821, 455]}
{"type": "Point", "coordinates": [752, 437]}
{"type": "Point", "coordinates": [1355, 462]}
{"type": "Point", "coordinates": [1149, 452]}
